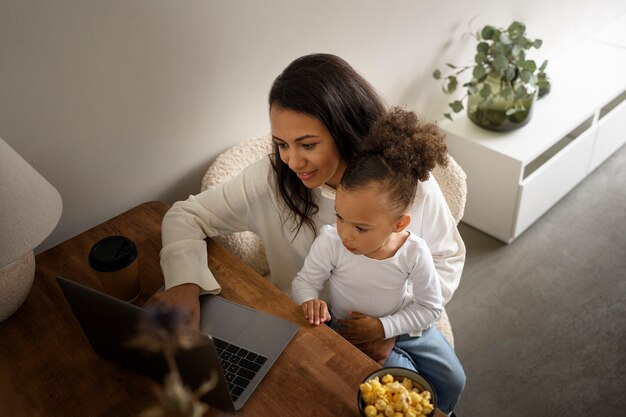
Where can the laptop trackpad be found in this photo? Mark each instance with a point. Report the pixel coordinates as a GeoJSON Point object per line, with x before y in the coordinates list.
{"type": "Point", "coordinates": [222, 318]}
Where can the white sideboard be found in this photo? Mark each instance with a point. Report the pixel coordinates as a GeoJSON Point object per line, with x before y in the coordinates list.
{"type": "Point", "coordinates": [513, 178]}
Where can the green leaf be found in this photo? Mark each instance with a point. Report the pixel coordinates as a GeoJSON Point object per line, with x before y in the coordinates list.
{"type": "Point", "coordinates": [537, 43]}
{"type": "Point", "coordinates": [529, 65]}
{"type": "Point", "coordinates": [447, 116]}
{"type": "Point", "coordinates": [520, 91]}
{"type": "Point", "coordinates": [487, 32]}
{"type": "Point", "coordinates": [452, 66]}
{"type": "Point", "coordinates": [504, 38]}
{"type": "Point", "coordinates": [543, 83]}
{"type": "Point", "coordinates": [452, 84]}
{"type": "Point", "coordinates": [525, 76]}
{"type": "Point", "coordinates": [517, 27]}
{"type": "Point", "coordinates": [515, 51]}
{"type": "Point", "coordinates": [543, 66]}
{"type": "Point", "coordinates": [470, 83]}
{"type": "Point", "coordinates": [497, 48]}
{"type": "Point", "coordinates": [480, 58]}
{"type": "Point", "coordinates": [456, 106]}
{"type": "Point", "coordinates": [437, 74]}
{"type": "Point", "coordinates": [486, 91]}
{"type": "Point", "coordinates": [478, 72]}
{"type": "Point", "coordinates": [483, 47]}
{"type": "Point", "coordinates": [510, 73]}
{"type": "Point", "coordinates": [500, 63]}
{"type": "Point", "coordinates": [506, 92]}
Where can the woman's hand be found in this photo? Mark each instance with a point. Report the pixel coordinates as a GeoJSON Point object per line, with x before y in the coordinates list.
{"type": "Point", "coordinates": [315, 311]}
{"type": "Point", "coordinates": [367, 334]}
{"type": "Point", "coordinates": [184, 297]}
{"type": "Point", "coordinates": [361, 328]}
{"type": "Point", "coordinates": [378, 349]}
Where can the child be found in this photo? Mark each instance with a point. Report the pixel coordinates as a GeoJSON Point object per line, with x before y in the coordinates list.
{"type": "Point", "coordinates": [382, 279]}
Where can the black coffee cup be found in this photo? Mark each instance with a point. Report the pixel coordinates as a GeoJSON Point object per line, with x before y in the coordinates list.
{"type": "Point", "coordinates": [114, 259]}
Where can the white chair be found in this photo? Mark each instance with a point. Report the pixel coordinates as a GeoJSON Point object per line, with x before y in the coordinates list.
{"type": "Point", "coordinates": [248, 247]}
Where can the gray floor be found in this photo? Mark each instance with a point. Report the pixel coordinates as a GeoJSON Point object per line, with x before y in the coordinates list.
{"type": "Point", "coordinates": [540, 324]}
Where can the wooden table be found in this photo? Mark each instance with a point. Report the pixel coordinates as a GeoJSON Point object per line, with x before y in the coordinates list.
{"type": "Point", "coordinates": [48, 368]}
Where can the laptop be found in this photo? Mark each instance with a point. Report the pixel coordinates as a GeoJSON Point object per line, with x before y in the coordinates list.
{"type": "Point", "coordinates": [238, 342]}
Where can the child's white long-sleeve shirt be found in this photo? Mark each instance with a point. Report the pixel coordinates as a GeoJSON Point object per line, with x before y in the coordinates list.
{"type": "Point", "coordinates": [378, 288]}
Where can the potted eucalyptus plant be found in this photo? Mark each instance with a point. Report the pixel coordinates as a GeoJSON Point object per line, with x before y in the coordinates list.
{"type": "Point", "coordinates": [505, 82]}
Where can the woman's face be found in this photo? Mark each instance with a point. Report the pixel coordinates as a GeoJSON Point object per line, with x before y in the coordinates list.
{"type": "Point", "coordinates": [307, 147]}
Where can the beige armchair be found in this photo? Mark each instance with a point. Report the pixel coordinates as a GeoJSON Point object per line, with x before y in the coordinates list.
{"type": "Point", "coordinates": [248, 247]}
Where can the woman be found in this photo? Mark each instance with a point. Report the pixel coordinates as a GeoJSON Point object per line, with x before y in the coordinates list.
{"type": "Point", "coordinates": [320, 111]}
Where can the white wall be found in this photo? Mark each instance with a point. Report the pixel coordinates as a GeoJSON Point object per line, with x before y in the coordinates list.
{"type": "Point", "coordinates": [117, 102]}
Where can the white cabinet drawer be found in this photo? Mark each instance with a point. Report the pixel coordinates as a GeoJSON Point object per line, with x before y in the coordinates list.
{"type": "Point", "coordinates": [551, 181]}
{"type": "Point", "coordinates": [611, 134]}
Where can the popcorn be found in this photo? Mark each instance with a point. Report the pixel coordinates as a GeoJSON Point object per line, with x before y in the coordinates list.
{"type": "Point", "coordinates": [407, 383]}
{"type": "Point", "coordinates": [386, 397]}
{"type": "Point", "coordinates": [387, 379]}
{"type": "Point", "coordinates": [370, 411]}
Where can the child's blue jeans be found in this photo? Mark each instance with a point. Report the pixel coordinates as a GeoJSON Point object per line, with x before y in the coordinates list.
{"type": "Point", "coordinates": [432, 357]}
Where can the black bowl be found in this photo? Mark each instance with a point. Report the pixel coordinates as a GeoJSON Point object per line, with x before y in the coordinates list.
{"type": "Point", "coordinates": [399, 373]}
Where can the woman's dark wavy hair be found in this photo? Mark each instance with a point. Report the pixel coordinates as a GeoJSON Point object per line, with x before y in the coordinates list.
{"type": "Point", "coordinates": [328, 88]}
{"type": "Point", "coordinates": [399, 151]}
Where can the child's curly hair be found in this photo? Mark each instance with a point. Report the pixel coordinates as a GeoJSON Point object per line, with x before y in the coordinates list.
{"type": "Point", "coordinates": [400, 150]}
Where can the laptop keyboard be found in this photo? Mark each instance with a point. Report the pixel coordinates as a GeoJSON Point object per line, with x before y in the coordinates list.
{"type": "Point", "coordinates": [239, 365]}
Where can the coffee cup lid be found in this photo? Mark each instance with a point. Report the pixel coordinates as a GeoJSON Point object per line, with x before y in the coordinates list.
{"type": "Point", "coordinates": [112, 253]}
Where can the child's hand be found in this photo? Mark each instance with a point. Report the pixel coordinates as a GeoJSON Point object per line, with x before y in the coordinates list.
{"type": "Point", "coordinates": [315, 311]}
{"type": "Point", "coordinates": [361, 328]}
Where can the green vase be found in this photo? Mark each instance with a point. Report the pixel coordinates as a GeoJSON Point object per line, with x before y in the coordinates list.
{"type": "Point", "coordinates": [497, 114]}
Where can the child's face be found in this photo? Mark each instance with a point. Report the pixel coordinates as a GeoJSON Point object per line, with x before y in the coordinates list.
{"type": "Point", "coordinates": [366, 223]}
